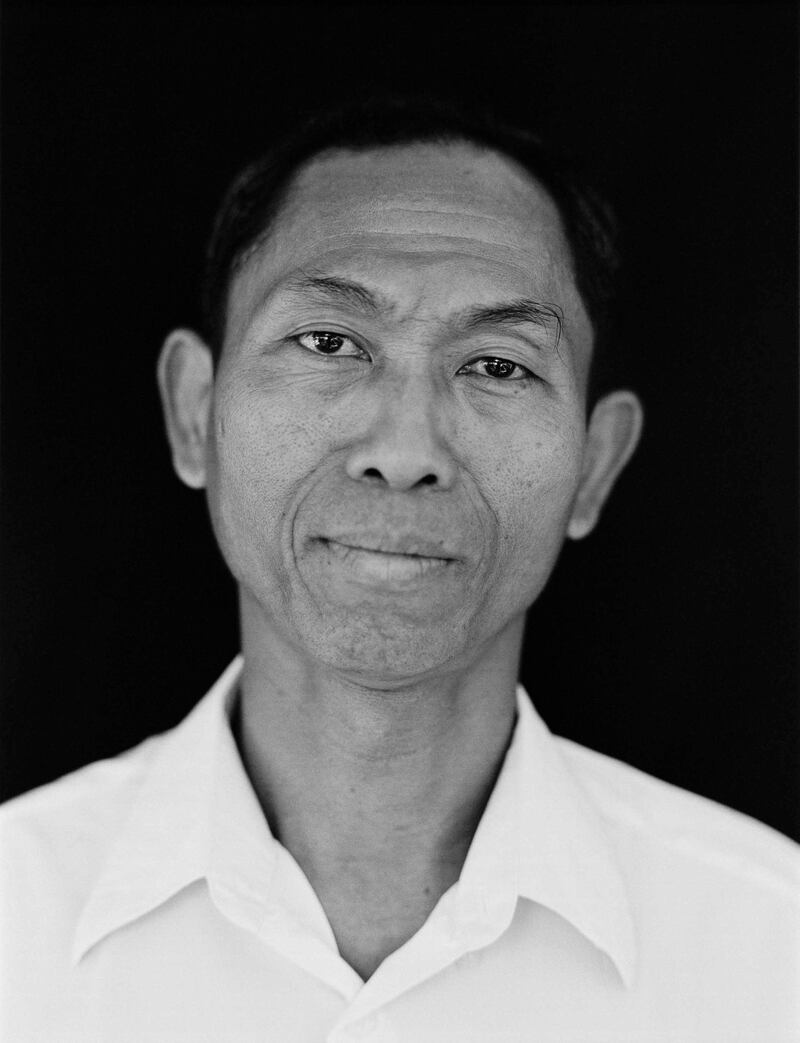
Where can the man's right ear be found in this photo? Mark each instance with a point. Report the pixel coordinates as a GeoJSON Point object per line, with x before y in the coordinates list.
{"type": "Point", "coordinates": [186, 381]}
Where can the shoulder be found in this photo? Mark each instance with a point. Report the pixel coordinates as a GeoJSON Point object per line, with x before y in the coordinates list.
{"type": "Point", "coordinates": [685, 828]}
{"type": "Point", "coordinates": [55, 842]}
{"type": "Point", "coordinates": [90, 786]}
{"type": "Point", "coordinates": [67, 824]}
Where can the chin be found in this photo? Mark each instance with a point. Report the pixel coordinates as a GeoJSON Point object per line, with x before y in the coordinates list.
{"type": "Point", "coordinates": [387, 656]}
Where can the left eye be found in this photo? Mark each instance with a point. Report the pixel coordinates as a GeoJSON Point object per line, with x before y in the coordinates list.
{"type": "Point", "coordinates": [324, 342]}
{"type": "Point", "coordinates": [499, 369]}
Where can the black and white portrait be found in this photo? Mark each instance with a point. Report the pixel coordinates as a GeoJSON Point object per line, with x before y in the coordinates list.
{"type": "Point", "coordinates": [400, 524]}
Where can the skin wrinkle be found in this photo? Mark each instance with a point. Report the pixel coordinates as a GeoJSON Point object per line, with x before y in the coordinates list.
{"type": "Point", "coordinates": [331, 290]}
{"type": "Point", "coordinates": [477, 216]}
{"type": "Point", "coordinates": [506, 257]}
{"type": "Point", "coordinates": [283, 313]}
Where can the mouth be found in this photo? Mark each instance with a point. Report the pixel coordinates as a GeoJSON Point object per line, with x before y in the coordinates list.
{"type": "Point", "coordinates": [388, 565]}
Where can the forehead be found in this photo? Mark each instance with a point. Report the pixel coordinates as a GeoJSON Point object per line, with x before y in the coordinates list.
{"type": "Point", "coordinates": [438, 224]}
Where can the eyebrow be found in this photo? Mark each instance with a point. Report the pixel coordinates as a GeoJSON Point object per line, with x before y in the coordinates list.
{"type": "Point", "coordinates": [515, 313]}
{"type": "Point", "coordinates": [337, 290]}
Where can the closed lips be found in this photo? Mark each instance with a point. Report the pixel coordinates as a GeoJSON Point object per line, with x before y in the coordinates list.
{"type": "Point", "coordinates": [404, 548]}
{"type": "Point", "coordinates": [386, 566]}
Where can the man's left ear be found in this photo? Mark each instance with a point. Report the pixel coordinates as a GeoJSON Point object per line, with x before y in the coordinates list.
{"type": "Point", "coordinates": [614, 430]}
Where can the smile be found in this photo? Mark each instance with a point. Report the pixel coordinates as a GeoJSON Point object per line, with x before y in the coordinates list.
{"type": "Point", "coordinates": [385, 566]}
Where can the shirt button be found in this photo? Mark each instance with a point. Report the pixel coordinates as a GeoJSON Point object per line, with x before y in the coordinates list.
{"type": "Point", "coordinates": [364, 1028]}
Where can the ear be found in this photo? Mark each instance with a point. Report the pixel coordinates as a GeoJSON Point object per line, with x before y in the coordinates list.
{"type": "Point", "coordinates": [614, 430]}
{"type": "Point", "coordinates": [186, 380]}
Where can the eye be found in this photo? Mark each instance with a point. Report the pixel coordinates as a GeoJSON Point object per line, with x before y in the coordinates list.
{"type": "Point", "coordinates": [325, 342]}
{"type": "Point", "coordinates": [498, 369]}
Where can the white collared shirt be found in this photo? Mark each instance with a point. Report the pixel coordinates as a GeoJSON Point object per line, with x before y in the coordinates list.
{"type": "Point", "coordinates": [144, 899]}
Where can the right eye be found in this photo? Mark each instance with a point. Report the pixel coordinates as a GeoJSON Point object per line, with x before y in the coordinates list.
{"type": "Point", "coordinates": [326, 342]}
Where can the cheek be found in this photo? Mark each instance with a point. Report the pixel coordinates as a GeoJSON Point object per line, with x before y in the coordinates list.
{"type": "Point", "coordinates": [261, 448]}
{"type": "Point", "coordinates": [530, 482]}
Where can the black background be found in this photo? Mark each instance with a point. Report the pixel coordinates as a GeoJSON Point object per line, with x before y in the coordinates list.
{"type": "Point", "coordinates": [668, 638]}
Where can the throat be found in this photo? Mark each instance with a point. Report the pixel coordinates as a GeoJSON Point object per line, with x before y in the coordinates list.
{"type": "Point", "coordinates": [374, 912]}
{"type": "Point", "coordinates": [379, 874]}
{"type": "Point", "coordinates": [376, 794]}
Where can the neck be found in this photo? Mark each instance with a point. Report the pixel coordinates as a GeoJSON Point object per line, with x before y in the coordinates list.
{"type": "Point", "coordinates": [376, 792]}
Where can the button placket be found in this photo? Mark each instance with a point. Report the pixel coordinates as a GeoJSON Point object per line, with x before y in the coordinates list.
{"type": "Point", "coordinates": [373, 1027]}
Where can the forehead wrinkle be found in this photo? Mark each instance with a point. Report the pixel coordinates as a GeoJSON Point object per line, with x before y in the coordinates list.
{"type": "Point", "coordinates": [461, 213]}
{"type": "Point", "coordinates": [541, 258]}
{"type": "Point", "coordinates": [336, 289]}
{"type": "Point", "coordinates": [321, 289]}
{"type": "Point", "coordinates": [309, 277]}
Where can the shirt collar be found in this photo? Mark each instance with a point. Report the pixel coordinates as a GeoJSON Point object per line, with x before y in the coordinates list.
{"type": "Point", "coordinates": [195, 816]}
{"type": "Point", "coordinates": [167, 840]}
{"type": "Point", "coordinates": [564, 857]}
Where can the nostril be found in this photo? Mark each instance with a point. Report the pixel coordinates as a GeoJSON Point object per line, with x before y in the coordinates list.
{"type": "Point", "coordinates": [375, 474]}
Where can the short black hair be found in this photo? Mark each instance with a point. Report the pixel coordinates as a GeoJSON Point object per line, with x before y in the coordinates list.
{"type": "Point", "coordinates": [257, 193]}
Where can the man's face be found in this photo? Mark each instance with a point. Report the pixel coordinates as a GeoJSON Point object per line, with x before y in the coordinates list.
{"type": "Point", "coordinates": [397, 427]}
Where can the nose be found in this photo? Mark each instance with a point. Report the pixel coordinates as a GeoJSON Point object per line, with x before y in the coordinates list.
{"type": "Point", "coordinates": [404, 446]}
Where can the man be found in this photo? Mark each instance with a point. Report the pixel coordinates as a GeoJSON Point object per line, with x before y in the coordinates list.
{"type": "Point", "coordinates": [364, 831]}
